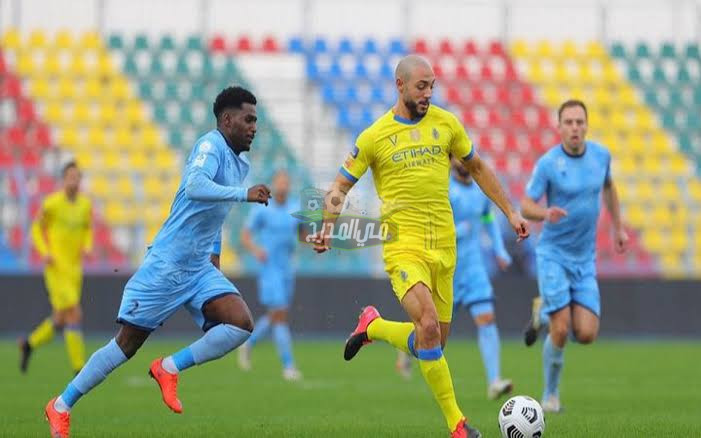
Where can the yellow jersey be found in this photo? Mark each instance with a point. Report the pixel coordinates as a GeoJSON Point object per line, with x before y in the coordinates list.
{"type": "Point", "coordinates": [63, 229]}
{"type": "Point", "coordinates": [410, 163]}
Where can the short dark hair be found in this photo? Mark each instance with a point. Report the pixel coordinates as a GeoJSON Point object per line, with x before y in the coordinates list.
{"type": "Point", "coordinates": [570, 103]}
{"type": "Point", "coordinates": [232, 97]}
{"type": "Point", "coordinates": [68, 166]}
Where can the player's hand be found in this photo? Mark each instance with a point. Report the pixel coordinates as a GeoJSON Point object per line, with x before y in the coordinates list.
{"type": "Point", "coordinates": [215, 259]}
{"type": "Point", "coordinates": [554, 214]}
{"type": "Point", "coordinates": [260, 255]}
{"type": "Point", "coordinates": [322, 240]}
{"type": "Point", "coordinates": [520, 226]}
{"type": "Point", "coordinates": [48, 260]}
{"type": "Point", "coordinates": [620, 240]}
{"type": "Point", "coordinates": [259, 193]}
{"type": "Point", "coordinates": [503, 263]}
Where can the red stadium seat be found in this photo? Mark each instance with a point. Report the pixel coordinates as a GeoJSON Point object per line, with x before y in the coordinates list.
{"type": "Point", "coordinates": [446, 47]}
{"type": "Point", "coordinates": [25, 111]}
{"type": "Point", "coordinates": [511, 142]}
{"type": "Point", "coordinates": [46, 184]}
{"type": "Point", "coordinates": [438, 71]}
{"type": "Point", "coordinates": [503, 95]}
{"type": "Point", "coordinates": [102, 235]}
{"type": "Point", "coordinates": [6, 158]}
{"type": "Point", "coordinates": [3, 65]}
{"type": "Point", "coordinates": [477, 95]}
{"type": "Point", "coordinates": [536, 142]}
{"type": "Point", "coordinates": [510, 74]}
{"type": "Point", "coordinates": [31, 158]}
{"type": "Point", "coordinates": [501, 163]}
{"type": "Point", "coordinates": [16, 237]}
{"type": "Point", "coordinates": [453, 95]}
{"type": "Point", "coordinates": [270, 45]}
{"type": "Point", "coordinates": [10, 86]}
{"type": "Point", "coordinates": [461, 73]}
{"type": "Point", "coordinates": [243, 44]}
{"type": "Point", "coordinates": [420, 47]}
{"type": "Point", "coordinates": [544, 120]}
{"type": "Point", "coordinates": [16, 137]}
{"type": "Point", "coordinates": [217, 44]}
{"type": "Point", "coordinates": [468, 118]}
{"type": "Point", "coordinates": [495, 119]}
{"type": "Point", "coordinates": [486, 73]}
{"type": "Point", "coordinates": [496, 48]}
{"type": "Point", "coordinates": [518, 119]}
{"type": "Point", "coordinates": [527, 96]}
{"type": "Point", "coordinates": [470, 48]}
{"type": "Point", "coordinates": [39, 136]}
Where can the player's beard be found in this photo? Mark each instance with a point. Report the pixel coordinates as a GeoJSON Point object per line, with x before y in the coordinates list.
{"type": "Point", "coordinates": [413, 108]}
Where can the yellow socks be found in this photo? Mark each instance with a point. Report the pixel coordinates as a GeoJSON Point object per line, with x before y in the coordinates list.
{"type": "Point", "coordinates": [75, 347]}
{"type": "Point", "coordinates": [42, 334]}
{"type": "Point", "coordinates": [395, 333]}
{"type": "Point", "coordinates": [435, 370]}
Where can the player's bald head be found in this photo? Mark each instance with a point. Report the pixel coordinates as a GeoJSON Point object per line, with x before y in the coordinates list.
{"type": "Point", "coordinates": [411, 64]}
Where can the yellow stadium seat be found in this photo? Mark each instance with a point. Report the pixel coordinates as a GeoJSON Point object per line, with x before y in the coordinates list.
{"type": "Point", "coordinates": [569, 50]}
{"type": "Point", "coordinates": [100, 186]}
{"type": "Point", "coordinates": [618, 121]}
{"type": "Point", "coordinates": [602, 97]}
{"type": "Point", "coordinates": [25, 64]}
{"type": "Point", "coordinates": [661, 141]}
{"type": "Point", "coordinates": [123, 138]}
{"type": "Point", "coordinates": [679, 165]}
{"type": "Point", "coordinates": [652, 166]}
{"type": "Point", "coordinates": [63, 40]}
{"type": "Point", "coordinates": [150, 137]}
{"type": "Point", "coordinates": [594, 49]}
{"type": "Point", "coordinates": [77, 68]}
{"type": "Point", "coordinates": [153, 187]}
{"type": "Point", "coordinates": [92, 89]}
{"type": "Point", "coordinates": [626, 165]}
{"type": "Point", "coordinates": [519, 49]}
{"type": "Point", "coordinates": [119, 89]}
{"type": "Point", "coordinates": [644, 119]}
{"type": "Point", "coordinates": [135, 112]}
{"type": "Point", "coordinates": [694, 191]}
{"type": "Point", "coordinates": [672, 264]}
{"type": "Point", "coordinates": [37, 40]}
{"type": "Point", "coordinates": [139, 161]}
{"type": "Point", "coordinates": [124, 187]}
{"type": "Point", "coordinates": [697, 242]}
{"type": "Point", "coordinates": [108, 114]}
{"type": "Point", "coordinates": [636, 144]}
{"type": "Point", "coordinates": [66, 89]}
{"type": "Point", "coordinates": [577, 92]}
{"type": "Point", "coordinates": [646, 191]}
{"type": "Point", "coordinates": [585, 74]}
{"type": "Point", "coordinates": [544, 49]}
{"type": "Point", "coordinates": [96, 137]}
{"type": "Point", "coordinates": [105, 67]}
{"type": "Point", "coordinates": [678, 240]}
{"type": "Point", "coordinates": [118, 213]}
{"type": "Point", "coordinates": [39, 88]}
{"type": "Point", "coordinates": [154, 214]}
{"type": "Point", "coordinates": [90, 41]}
{"type": "Point", "coordinates": [68, 137]}
{"type": "Point", "coordinates": [661, 216]}
{"type": "Point", "coordinates": [653, 240]}
{"type": "Point", "coordinates": [610, 74]}
{"type": "Point", "coordinates": [85, 159]}
{"type": "Point", "coordinates": [561, 74]}
{"type": "Point", "coordinates": [596, 123]}
{"type": "Point", "coordinates": [551, 96]}
{"type": "Point", "coordinates": [626, 97]}
{"type": "Point", "coordinates": [11, 39]}
{"type": "Point", "coordinates": [53, 112]}
{"type": "Point", "coordinates": [669, 191]}
{"type": "Point", "coordinates": [535, 72]}
{"type": "Point", "coordinates": [51, 66]}
{"type": "Point", "coordinates": [112, 160]}
{"type": "Point", "coordinates": [81, 114]}
{"type": "Point", "coordinates": [166, 159]}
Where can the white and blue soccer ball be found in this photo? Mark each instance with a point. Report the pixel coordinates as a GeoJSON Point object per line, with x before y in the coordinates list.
{"type": "Point", "coordinates": [521, 417]}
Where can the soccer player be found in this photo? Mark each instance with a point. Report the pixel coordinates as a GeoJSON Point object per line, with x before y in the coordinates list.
{"type": "Point", "coordinates": [471, 286]}
{"type": "Point", "coordinates": [181, 267]}
{"type": "Point", "coordinates": [270, 235]}
{"type": "Point", "coordinates": [62, 235]}
{"type": "Point", "coordinates": [572, 176]}
{"type": "Point", "coordinates": [409, 150]}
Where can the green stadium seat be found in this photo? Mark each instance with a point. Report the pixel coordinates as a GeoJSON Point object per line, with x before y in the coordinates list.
{"type": "Point", "coordinates": [160, 114]}
{"type": "Point", "coordinates": [141, 42]}
{"type": "Point", "coordinates": [651, 98]}
{"type": "Point", "coordinates": [683, 76]}
{"type": "Point", "coordinates": [659, 76]}
{"type": "Point", "coordinates": [145, 90]}
{"type": "Point", "coordinates": [156, 68]}
{"type": "Point", "coordinates": [171, 91]}
{"type": "Point", "coordinates": [675, 98]}
{"type": "Point", "coordinates": [642, 50]}
{"type": "Point", "coordinates": [618, 50]}
{"type": "Point", "coordinates": [176, 138]}
{"type": "Point", "coordinates": [115, 42]}
{"type": "Point", "coordinates": [668, 51]}
{"type": "Point", "coordinates": [194, 42]}
{"type": "Point", "coordinates": [197, 91]}
{"type": "Point", "coordinates": [130, 66]}
{"type": "Point", "coordinates": [167, 43]}
{"type": "Point", "coordinates": [692, 51]}
{"type": "Point", "coordinates": [692, 121]}
{"type": "Point", "coordinates": [669, 121]}
{"type": "Point", "coordinates": [697, 96]}
{"type": "Point", "coordinates": [634, 74]}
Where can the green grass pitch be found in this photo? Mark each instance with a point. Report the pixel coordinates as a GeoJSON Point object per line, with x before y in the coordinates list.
{"type": "Point", "coordinates": [610, 389]}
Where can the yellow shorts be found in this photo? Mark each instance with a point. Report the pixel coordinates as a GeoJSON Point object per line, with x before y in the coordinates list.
{"type": "Point", "coordinates": [433, 267]}
{"type": "Point", "coordinates": [64, 287]}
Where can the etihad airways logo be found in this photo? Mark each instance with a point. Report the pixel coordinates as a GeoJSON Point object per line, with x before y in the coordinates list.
{"type": "Point", "coordinates": [416, 152]}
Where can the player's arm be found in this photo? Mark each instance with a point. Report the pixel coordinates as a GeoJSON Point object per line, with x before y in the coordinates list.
{"type": "Point", "coordinates": [613, 206]}
{"type": "Point", "coordinates": [485, 177]}
{"type": "Point", "coordinates": [200, 185]}
{"type": "Point", "coordinates": [490, 222]}
{"type": "Point", "coordinates": [38, 232]}
{"type": "Point", "coordinates": [253, 222]}
{"type": "Point", "coordinates": [215, 257]}
{"type": "Point", "coordinates": [535, 190]}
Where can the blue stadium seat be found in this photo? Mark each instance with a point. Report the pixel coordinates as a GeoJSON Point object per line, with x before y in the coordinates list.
{"type": "Point", "coordinates": [396, 47]}
{"type": "Point", "coordinates": [370, 46]}
{"type": "Point", "coordinates": [320, 46]}
{"type": "Point", "coordinates": [335, 72]}
{"type": "Point", "coordinates": [328, 94]}
{"type": "Point", "coordinates": [350, 95]}
{"type": "Point", "coordinates": [361, 71]}
{"type": "Point", "coordinates": [345, 45]}
{"type": "Point", "coordinates": [387, 72]}
{"type": "Point", "coordinates": [313, 73]}
{"type": "Point", "coordinates": [295, 45]}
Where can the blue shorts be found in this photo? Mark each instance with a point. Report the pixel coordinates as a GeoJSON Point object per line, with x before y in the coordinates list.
{"type": "Point", "coordinates": [563, 284]}
{"type": "Point", "coordinates": [473, 290]}
{"type": "Point", "coordinates": [275, 289]}
{"type": "Point", "coordinates": [158, 289]}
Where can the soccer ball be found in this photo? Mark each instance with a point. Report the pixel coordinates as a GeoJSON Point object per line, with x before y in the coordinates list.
{"type": "Point", "coordinates": [313, 204]}
{"type": "Point", "coordinates": [521, 417]}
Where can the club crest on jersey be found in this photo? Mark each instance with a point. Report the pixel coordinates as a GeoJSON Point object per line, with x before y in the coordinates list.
{"type": "Point", "coordinates": [415, 135]}
{"type": "Point", "coordinates": [354, 152]}
{"type": "Point", "coordinates": [404, 275]}
{"type": "Point", "coordinates": [435, 133]}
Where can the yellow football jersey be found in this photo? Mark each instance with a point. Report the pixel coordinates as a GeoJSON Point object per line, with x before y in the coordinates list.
{"type": "Point", "coordinates": [63, 229]}
{"type": "Point", "coordinates": [410, 163]}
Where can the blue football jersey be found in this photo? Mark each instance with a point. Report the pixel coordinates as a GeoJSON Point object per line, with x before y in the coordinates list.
{"type": "Point", "coordinates": [573, 183]}
{"type": "Point", "coordinates": [275, 230]}
{"type": "Point", "coordinates": [212, 181]}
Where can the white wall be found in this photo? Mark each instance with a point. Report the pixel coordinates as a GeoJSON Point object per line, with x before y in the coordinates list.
{"type": "Point", "coordinates": [628, 20]}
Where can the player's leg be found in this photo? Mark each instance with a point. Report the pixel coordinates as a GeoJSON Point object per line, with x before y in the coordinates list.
{"type": "Point", "coordinates": [489, 344]}
{"type": "Point", "coordinates": [554, 285]}
{"type": "Point", "coordinates": [283, 343]}
{"type": "Point", "coordinates": [73, 336]}
{"type": "Point", "coordinates": [261, 330]}
{"type": "Point", "coordinates": [267, 286]}
{"type": "Point", "coordinates": [586, 304]}
{"type": "Point", "coordinates": [46, 330]}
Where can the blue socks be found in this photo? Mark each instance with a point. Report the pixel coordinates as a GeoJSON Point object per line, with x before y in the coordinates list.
{"type": "Point", "coordinates": [488, 340]}
{"type": "Point", "coordinates": [552, 368]}
{"type": "Point", "coordinates": [101, 363]}
{"type": "Point", "coordinates": [260, 331]}
{"type": "Point", "coordinates": [218, 341]}
{"type": "Point", "coordinates": [283, 342]}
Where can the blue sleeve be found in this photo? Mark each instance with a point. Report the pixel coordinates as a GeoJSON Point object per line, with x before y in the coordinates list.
{"type": "Point", "coordinates": [535, 189]}
{"type": "Point", "coordinates": [200, 185]}
{"type": "Point", "coordinates": [216, 245]}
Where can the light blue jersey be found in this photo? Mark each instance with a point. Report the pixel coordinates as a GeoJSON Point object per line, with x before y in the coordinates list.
{"type": "Point", "coordinates": [275, 230]}
{"type": "Point", "coordinates": [472, 210]}
{"type": "Point", "coordinates": [177, 270]}
{"type": "Point", "coordinates": [566, 250]}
